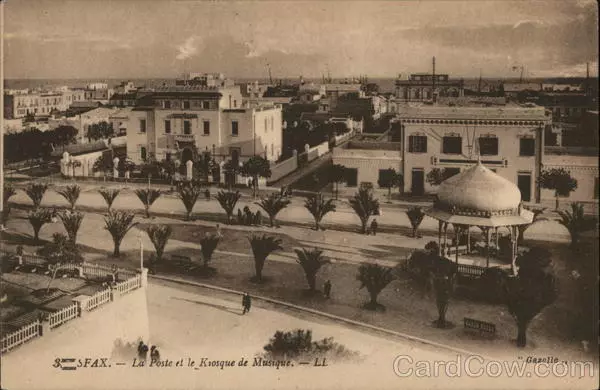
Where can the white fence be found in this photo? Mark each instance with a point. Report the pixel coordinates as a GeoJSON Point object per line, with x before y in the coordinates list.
{"type": "Point", "coordinates": [129, 284]}
{"type": "Point", "coordinates": [284, 168]}
{"type": "Point", "coordinates": [317, 151]}
{"type": "Point", "coordinates": [100, 298]}
{"type": "Point", "coordinates": [101, 271]}
{"type": "Point", "coordinates": [60, 317]}
{"type": "Point", "coordinates": [21, 336]}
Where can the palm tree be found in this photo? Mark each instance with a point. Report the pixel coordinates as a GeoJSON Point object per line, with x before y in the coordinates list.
{"type": "Point", "coordinates": [109, 196]}
{"type": "Point", "coordinates": [272, 205]}
{"type": "Point", "coordinates": [319, 207]}
{"type": "Point", "coordinates": [71, 194]}
{"type": "Point", "coordinates": [375, 278]}
{"type": "Point", "coordinates": [36, 192]}
{"type": "Point", "coordinates": [263, 246]}
{"type": "Point", "coordinates": [7, 193]}
{"type": "Point", "coordinates": [415, 216]}
{"type": "Point", "coordinates": [159, 235]}
{"type": "Point", "coordinates": [38, 218]}
{"type": "Point", "coordinates": [575, 222]}
{"type": "Point", "coordinates": [72, 222]}
{"type": "Point", "coordinates": [147, 196]}
{"type": "Point", "coordinates": [228, 200]}
{"type": "Point", "coordinates": [189, 195]}
{"type": "Point", "coordinates": [208, 245]}
{"type": "Point", "coordinates": [364, 205]}
{"type": "Point", "coordinates": [60, 252]}
{"type": "Point", "coordinates": [118, 223]}
{"type": "Point", "coordinates": [311, 261]}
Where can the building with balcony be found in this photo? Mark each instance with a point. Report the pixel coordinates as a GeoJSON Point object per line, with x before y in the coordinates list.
{"type": "Point", "coordinates": [23, 103]}
{"type": "Point", "coordinates": [507, 139]}
{"type": "Point", "coordinates": [180, 122]}
{"type": "Point", "coordinates": [424, 86]}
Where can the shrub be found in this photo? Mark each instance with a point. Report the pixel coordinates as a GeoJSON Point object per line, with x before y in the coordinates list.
{"type": "Point", "coordinates": [298, 345]}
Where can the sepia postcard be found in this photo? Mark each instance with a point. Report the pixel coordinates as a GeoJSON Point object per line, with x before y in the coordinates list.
{"type": "Point", "coordinates": [293, 194]}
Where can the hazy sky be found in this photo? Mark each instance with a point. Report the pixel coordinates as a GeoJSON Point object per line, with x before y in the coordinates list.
{"type": "Point", "coordinates": [152, 38]}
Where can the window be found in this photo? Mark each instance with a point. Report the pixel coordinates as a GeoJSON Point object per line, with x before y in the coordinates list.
{"type": "Point", "coordinates": [206, 127]}
{"type": "Point", "coordinates": [142, 125]}
{"type": "Point", "coordinates": [167, 104]}
{"type": "Point", "coordinates": [417, 144]}
{"type": "Point", "coordinates": [596, 188]}
{"type": "Point", "coordinates": [186, 105]}
{"type": "Point", "coordinates": [266, 128]}
{"type": "Point", "coordinates": [167, 127]}
{"type": "Point", "coordinates": [187, 127]}
{"type": "Point", "coordinates": [234, 103]}
{"type": "Point", "coordinates": [351, 177]}
{"type": "Point", "coordinates": [205, 105]}
{"type": "Point", "coordinates": [452, 145]}
{"type": "Point", "coordinates": [143, 153]}
{"type": "Point", "coordinates": [234, 128]}
{"type": "Point", "coordinates": [272, 123]}
{"type": "Point", "coordinates": [527, 147]}
{"type": "Point", "coordinates": [451, 172]}
{"type": "Point", "coordinates": [488, 146]}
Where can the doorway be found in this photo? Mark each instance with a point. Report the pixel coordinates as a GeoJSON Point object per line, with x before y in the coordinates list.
{"type": "Point", "coordinates": [418, 182]}
{"type": "Point", "coordinates": [524, 184]}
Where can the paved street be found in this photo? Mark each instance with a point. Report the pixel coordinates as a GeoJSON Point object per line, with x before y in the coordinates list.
{"type": "Point", "coordinates": [295, 212]}
{"type": "Point", "coordinates": [187, 322]}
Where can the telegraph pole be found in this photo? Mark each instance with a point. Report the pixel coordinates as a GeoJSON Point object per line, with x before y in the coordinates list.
{"type": "Point", "coordinates": [2, 205]}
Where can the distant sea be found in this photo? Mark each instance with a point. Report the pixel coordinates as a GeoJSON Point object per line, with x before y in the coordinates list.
{"type": "Point", "coordinates": [385, 84]}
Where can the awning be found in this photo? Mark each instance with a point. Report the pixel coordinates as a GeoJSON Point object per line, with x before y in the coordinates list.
{"type": "Point", "coordinates": [525, 217]}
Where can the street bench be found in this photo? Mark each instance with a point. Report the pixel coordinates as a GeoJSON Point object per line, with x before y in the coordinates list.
{"type": "Point", "coordinates": [483, 327]}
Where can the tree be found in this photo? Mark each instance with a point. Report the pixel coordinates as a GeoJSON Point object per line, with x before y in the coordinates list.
{"type": "Point", "coordinates": [118, 223]}
{"type": "Point", "coordinates": [72, 164]}
{"type": "Point", "coordinates": [436, 176]}
{"type": "Point", "coordinates": [443, 285]}
{"type": "Point", "coordinates": [7, 192]}
{"type": "Point", "coordinates": [415, 216]}
{"type": "Point", "coordinates": [109, 195]}
{"type": "Point", "coordinates": [147, 196]}
{"type": "Point", "coordinates": [72, 222]}
{"type": "Point", "coordinates": [71, 194]}
{"type": "Point", "coordinates": [273, 204]}
{"type": "Point", "coordinates": [189, 193]}
{"type": "Point", "coordinates": [576, 222]}
{"type": "Point", "coordinates": [311, 261]}
{"type": "Point", "coordinates": [228, 200]}
{"type": "Point", "coordinates": [364, 205]}
{"type": "Point", "coordinates": [159, 235]}
{"type": "Point", "coordinates": [255, 167]}
{"type": "Point", "coordinates": [263, 246]}
{"type": "Point", "coordinates": [38, 218]}
{"type": "Point", "coordinates": [103, 164]}
{"type": "Point", "coordinates": [59, 253]}
{"type": "Point", "coordinates": [231, 170]}
{"type": "Point", "coordinates": [65, 135]}
{"type": "Point", "coordinates": [375, 278]}
{"type": "Point", "coordinates": [389, 178]}
{"type": "Point", "coordinates": [125, 165]}
{"type": "Point", "coordinates": [35, 192]}
{"type": "Point", "coordinates": [100, 130]}
{"type": "Point", "coordinates": [319, 207]}
{"type": "Point", "coordinates": [208, 245]}
{"type": "Point", "coordinates": [559, 180]}
{"type": "Point", "coordinates": [204, 166]}
{"type": "Point", "coordinates": [531, 290]}
{"type": "Point", "coordinates": [336, 174]}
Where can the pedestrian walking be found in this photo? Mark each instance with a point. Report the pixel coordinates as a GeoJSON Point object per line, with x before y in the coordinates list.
{"type": "Point", "coordinates": [154, 354]}
{"type": "Point", "coordinates": [218, 232]}
{"type": "Point", "coordinates": [327, 289]}
{"type": "Point", "coordinates": [374, 226]}
{"type": "Point", "coordinates": [246, 303]}
{"type": "Point", "coordinates": [207, 194]}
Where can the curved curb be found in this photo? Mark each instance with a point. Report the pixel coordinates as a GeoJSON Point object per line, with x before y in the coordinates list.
{"type": "Point", "coordinates": [334, 317]}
